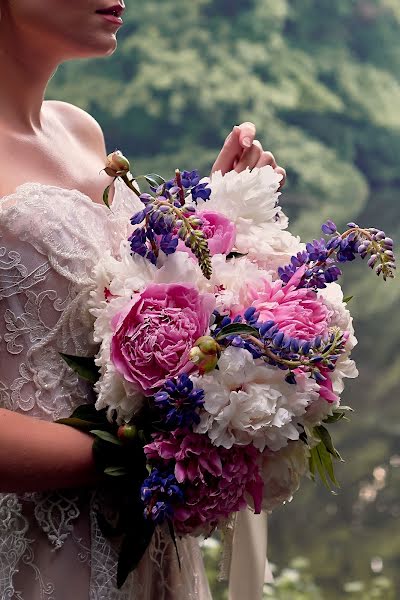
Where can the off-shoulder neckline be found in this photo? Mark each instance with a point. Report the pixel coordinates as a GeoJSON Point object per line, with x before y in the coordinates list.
{"type": "Point", "coordinates": [47, 186]}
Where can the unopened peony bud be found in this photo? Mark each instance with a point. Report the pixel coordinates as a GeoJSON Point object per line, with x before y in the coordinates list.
{"type": "Point", "coordinates": [117, 164]}
{"type": "Point", "coordinates": [205, 354]}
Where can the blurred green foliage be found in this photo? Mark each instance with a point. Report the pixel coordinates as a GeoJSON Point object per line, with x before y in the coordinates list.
{"type": "Point", "coordinates": [321, 80]}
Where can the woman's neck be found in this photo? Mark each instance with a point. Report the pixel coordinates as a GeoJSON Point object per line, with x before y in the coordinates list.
{"type": "Point", "coordinates": [25, 73]}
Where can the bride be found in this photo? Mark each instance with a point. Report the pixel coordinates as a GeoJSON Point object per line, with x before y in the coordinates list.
{"type": "Point", "coordinates": [53, 228]}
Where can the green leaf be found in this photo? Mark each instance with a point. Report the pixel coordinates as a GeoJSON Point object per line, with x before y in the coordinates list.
{"type": "Point", "coordinates": [338, 415]}
{"type": "Point", "coordinates": [154, 180]}
{"type": "Point", "coordinates": [321, 461]}
{"type": "Point", "coordinates": [318, 466]}
{"type": "Point", "coordinates": [237, 329]}
{"type": "Point", "coordinates": [115, 471]}
{"type": "Point", "coordinates": [80, 424]}
{"type": "Point", "coordinates": [84, 366]}
{"type": "Point", "coordinates": [108, 529]}
{"type": "Point", "coordinates": [89, 412]}
{"type": "Point", "coordinates": [326, 439]}
{"type": "Point", "coordinates": [106, 194]}
{"type": "Point", "coordinates": [312, 464]}
{"type": "Point", "coordinates": [133, 547]}
{"type": "Point", "coordinates": [235, 255]}
{"type": "Point", "coordinates": [348, 299]}
{"type": "Point", "coordinates": [106, 436]}
{"type": "Point", "coordinates": [327, 463]}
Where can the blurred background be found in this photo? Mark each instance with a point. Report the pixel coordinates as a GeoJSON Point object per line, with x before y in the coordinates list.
{"type": "Point", "coordinates": [321, 80]}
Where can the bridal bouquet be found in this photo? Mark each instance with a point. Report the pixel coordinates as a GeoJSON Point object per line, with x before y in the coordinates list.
{"type": "Point", "coordinates": [223, 346]}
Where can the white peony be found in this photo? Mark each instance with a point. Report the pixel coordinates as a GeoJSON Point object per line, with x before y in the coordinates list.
{"type": "Point", "coordinates": [282, 472]}
{"type": "Point", "coordinates": [246, 198]}
{"type": "Point", "coordinates": [248, 401]}
{"type": "Point", "coordinates": [340, 317]}
{"type": "Point", "coordinates": [230, 278]}
{"type": "Point", "coordinates": [318, 411]}
{"type": "Point", "coordinates": [250, 200]}
{"type": "Point", "coordinates": [181, 268]}
{"type": "Point", "coordinates": [117, 394]}
{"type": "Point", "coordinates": [332, 296]}
{"type": "Point", "coordinates": [268, 245]}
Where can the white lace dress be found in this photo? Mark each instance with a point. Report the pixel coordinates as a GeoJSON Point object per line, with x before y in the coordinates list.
{"type": "Point", "coordinates": [50, 544]}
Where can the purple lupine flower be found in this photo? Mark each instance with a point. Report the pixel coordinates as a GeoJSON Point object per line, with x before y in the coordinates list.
{"type": "Point", "coordinates": [329, 227]}
{"type": "Point", "coordinates": [190, 179]}
{"type": "Point", "coordinates": [179, 403]}
{"type": "Point", "coordinates": [160, 493]}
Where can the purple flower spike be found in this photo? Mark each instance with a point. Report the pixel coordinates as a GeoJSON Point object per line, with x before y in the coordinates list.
{"type": "Point", "coordinates": [329, 227]}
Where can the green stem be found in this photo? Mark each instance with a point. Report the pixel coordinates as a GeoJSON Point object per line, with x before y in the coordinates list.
{"type": "Point", "coordinates": [130, 185]}
{"type": "Point", "coordinates": [292, 364]}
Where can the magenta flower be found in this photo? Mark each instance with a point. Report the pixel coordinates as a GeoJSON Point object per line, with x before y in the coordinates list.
{"type": "Point", "coordinates": [219, 231]}
{"type": "Point", "coordinates": [155, 333]}
{"type": "Point", "coordinates": [299, 313]}
{"type": "Point", "coordinates": [215, 480]}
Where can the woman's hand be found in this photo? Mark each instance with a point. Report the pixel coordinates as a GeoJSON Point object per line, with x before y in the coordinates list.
{"type": "Point", "coordinates": [242, 150]}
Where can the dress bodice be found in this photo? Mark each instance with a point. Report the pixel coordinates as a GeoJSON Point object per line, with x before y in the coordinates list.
{"type": "Point", "coordinates": [50, 240]}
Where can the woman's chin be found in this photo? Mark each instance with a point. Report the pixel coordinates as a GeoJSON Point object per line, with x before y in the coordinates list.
{"type": "Point", "coordinates": [104, 46]}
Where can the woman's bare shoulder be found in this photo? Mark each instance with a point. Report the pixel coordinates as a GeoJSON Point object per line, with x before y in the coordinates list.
{"type": "Point", "coordinates": [80, 123]}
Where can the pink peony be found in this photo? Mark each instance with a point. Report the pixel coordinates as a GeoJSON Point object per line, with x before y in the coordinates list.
{"type": "Point", "coordinates": [220, 233]}
{"type": "Point", "coordinates": [215, 480]}
{"type": "Point", "coordinates": [299, 313]}
{"type": "Point", "coordinates": [154, 334]}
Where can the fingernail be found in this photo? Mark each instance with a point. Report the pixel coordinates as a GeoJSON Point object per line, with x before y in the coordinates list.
{"type": "Point", "coordinates": [246, 142]}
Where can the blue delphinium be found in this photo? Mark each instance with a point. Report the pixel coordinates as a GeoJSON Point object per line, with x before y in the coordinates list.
{"type": "Point", "coordinates": [160, 492]}
{"type": "Point", "coordinates": [178, 402]}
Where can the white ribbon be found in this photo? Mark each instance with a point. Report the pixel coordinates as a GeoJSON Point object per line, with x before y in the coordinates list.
{"type": "Point", "coordinates": [249, 567]}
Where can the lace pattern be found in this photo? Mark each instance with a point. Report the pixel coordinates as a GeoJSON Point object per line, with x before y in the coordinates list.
{"type": "Point", "coordinates": [50, 239]}
{"type": "Point", "coordinates": [13, 541]}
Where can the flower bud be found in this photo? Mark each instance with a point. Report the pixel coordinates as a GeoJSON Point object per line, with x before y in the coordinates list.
{"type": "Point", "coordinates": [205, 354]}
{"type": "Point", "coordinates": [117, 165]}
{"type": "Point", "coordinates": [372, 261]}
{"type": "Point", "coordinates": [127, 433]}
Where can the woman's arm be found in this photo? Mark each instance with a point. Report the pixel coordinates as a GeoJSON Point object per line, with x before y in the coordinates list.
{"type": "Point", "coordinates": [39, 455]}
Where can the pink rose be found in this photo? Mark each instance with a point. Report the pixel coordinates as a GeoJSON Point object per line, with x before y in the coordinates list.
{"type": "Point", "coordinates": [299, 313]}
{"type": "Point", "coordinates": [220, 233]}
{"type": "Point", "coordinates": [155, 333]}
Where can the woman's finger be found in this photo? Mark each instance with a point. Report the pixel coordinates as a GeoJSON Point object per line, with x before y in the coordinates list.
{"type": "Point", "coordinates": [250, 157]}
{"type": "Point", "coordinates": [281, 171]}
{"type": "Point", "coordinates": [247, 134]}
{"type": "Point", "coordinates": [267, 158]}
{"type": "Point", "coordinates": [230, 152]}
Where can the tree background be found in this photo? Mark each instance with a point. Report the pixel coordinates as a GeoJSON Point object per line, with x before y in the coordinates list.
{"type": "Point", "coordinates": [321, 80]}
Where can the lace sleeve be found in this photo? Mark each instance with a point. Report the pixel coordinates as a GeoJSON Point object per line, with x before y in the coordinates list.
{"type": "Point", "coordinates": [50, 239]}
{"type": "Point", "coordinates": [40, 316]}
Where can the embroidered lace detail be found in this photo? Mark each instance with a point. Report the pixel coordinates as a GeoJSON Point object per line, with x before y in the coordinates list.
{"type": "Point", "coordinates": [50, 239]}
{"type": "Point", "coordinates": [13, 542]}
{"type": "Point", "coordinates": [105, 563]}
{"type": "Point", "coordinates": [55, 514]}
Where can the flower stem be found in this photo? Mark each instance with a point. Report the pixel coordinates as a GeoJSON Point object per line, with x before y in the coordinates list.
{"type": "Point", "coordinates": [130, 185]}
{"type": "Point", "coordinates": [178, 178]}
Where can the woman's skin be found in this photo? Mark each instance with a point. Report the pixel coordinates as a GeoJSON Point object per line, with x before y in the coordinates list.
{"type": "Point", "coordinates": [59, 144]}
